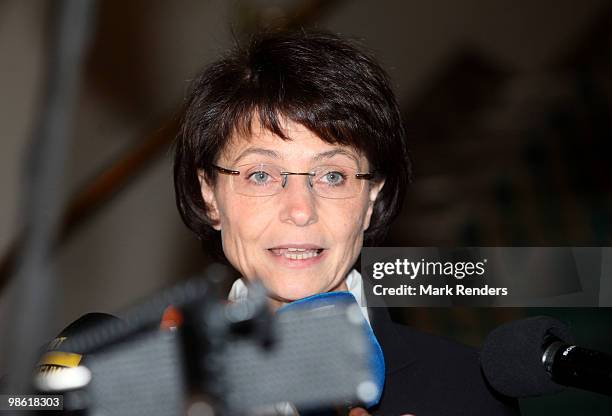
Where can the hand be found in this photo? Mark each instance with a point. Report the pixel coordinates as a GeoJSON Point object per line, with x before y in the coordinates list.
{"type": "Point", "coordinates": [358, 411]}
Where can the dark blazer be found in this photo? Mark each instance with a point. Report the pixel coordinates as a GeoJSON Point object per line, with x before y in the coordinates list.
{"type": "Point", "coordinates": [428, 375]}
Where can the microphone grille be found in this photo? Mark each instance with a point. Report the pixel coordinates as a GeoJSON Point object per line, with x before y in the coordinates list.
{"type": "Point", "coordinates": [511, 356]}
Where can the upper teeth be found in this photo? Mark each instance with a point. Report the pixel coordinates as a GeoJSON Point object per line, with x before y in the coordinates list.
{"type": "Point", "coordinates": [297, 253]}
{"type": "Point", "coordinates": [300, 254]}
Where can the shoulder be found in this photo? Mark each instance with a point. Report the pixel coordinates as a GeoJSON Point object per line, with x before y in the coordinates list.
{"type": "Point", "coordinates": [429, 374]}
{"type": "Point", "coordinates": [436, 350]}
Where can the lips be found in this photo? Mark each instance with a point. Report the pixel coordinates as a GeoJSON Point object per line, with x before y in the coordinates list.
{"type": "Point", "coordinates": [297, 251]}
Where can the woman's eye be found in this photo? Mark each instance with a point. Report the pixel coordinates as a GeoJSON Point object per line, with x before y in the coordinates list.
{"type": "Point", "coordinates": [259, 178]}
{"type": "Point", "coordinates": [333, 178]}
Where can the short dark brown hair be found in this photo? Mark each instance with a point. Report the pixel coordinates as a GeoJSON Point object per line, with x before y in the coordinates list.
{"type": "Point", "coordinates": [316, 79]}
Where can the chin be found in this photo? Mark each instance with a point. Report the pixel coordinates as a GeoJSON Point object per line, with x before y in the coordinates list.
{"type": "Point", "coordinates": [290, 294]}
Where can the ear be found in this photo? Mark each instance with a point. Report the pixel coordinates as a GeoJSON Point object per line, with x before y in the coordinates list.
{"type": "Point", "coordinates": [210, 200]}
{"type": "Point", "coordinates": [372, 195]}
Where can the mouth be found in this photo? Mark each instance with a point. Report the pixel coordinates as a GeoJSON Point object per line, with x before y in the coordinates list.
{"type": "Point", "coordinates": [297, 252]}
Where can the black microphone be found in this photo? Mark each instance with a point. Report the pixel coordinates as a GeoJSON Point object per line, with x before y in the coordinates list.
{"type": "Point", "coordinates": [537, 356]}
{"type": "Point", "coordinates": [578, 367]}
{"type": "Point", "coordinates": [59, 354]}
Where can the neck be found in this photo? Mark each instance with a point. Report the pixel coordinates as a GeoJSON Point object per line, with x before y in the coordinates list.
{"type": "Point", "coordinates": [275, 303]}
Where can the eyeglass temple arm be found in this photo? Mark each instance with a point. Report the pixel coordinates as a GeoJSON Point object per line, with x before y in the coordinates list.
{"type": "Point", "coordinates": [226, 171]}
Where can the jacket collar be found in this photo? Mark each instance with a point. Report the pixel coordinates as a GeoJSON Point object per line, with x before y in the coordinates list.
{"type": "Point", "coordinates": [396, 348]}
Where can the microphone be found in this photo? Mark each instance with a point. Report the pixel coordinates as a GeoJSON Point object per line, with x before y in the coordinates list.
{"type": "Point", "coordinates": [61, 366]}
{"type": "Point", "coordinates": [225, 352]}
{"type": "Point", "coordinates": [579, 367]}
{"type": "Point", "coordinates": [56, 356]}
{"type": "Point", "coordinates": [537, 356]}
{"type": "Point", "coordinates": [371, 391]}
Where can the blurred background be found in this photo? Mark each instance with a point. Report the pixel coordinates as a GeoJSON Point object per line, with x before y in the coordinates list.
{"type": "Point", "coordinates": [508, 107]}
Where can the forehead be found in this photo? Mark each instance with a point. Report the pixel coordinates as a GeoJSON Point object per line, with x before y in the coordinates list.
{"type": "Point", "coordinates": [303, 146]}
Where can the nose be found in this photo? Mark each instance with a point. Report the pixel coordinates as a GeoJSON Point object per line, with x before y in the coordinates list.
{"type": "Point", "coordinates": [298, 202]}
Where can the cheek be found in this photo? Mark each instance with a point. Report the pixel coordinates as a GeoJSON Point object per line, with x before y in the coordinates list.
{"type": "Point", "coordinates": [347, 221]}
{"type": "Point", "coordinates": [242, 225]}
{"type": "Point", "coordinates": [243, 219]}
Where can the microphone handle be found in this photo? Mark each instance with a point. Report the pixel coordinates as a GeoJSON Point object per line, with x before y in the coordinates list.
{"type": "Point", "coordinates": [579, 367]}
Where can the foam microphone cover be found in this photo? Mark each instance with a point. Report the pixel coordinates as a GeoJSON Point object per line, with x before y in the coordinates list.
{"type": "Point", "coordinates": [376, 359]}
{"type": "Point", "coordinates": [87, 322]}
{"type": "Point", "coordinates": [56, 356]}
{"type": "Point", "coordinates": [511, 356]}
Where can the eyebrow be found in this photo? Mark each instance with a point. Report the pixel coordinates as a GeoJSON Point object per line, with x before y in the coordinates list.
{"type": "Point", "coordinates": [318, 157]}
{"type": "Point", "coordinates": [331, 153]}
{"type": "Point", "coordinates": [257, 151]}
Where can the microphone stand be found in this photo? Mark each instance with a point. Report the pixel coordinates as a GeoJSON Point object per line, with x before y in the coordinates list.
{"type": "Point", "coordinates": [34, 289]}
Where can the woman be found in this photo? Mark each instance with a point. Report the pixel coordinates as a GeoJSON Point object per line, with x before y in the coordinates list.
{"type": "Point", "coordinates": [290, 158]}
